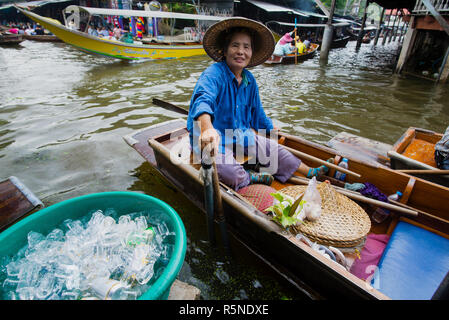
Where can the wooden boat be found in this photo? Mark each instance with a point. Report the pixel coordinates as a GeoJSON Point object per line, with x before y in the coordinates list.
{"type": "Point", "coordinates": [16, 202]}
{"type": "Point", "coordinates": [161, 144]}
{"type": "Point", "coordinates": [338, 42]}
{"type": "Point", "coordinates": [291, 59]}
{"type": "Point", "coordinates": [415, 150]}
{"type": "Point", "coordinates": [10, 39]}
{"type": "Point", "coordinates": [42, 38]}
{"type": "Point", "coordinates": [117, 49]}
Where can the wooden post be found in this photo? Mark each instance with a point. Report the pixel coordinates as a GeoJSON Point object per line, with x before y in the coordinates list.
{"type": "Point", "coordinates": [392, 28]}
{"type": "Point", "coordinates": [362, 27]}
{"type": "Point", "coordinates": [386, 31]}
{"type": "Point", "coordinates": [376, 38]}
{"type": "Point", "coordinates": [407, 46]}
{"type": "Point", "coordinates": [328, 35]}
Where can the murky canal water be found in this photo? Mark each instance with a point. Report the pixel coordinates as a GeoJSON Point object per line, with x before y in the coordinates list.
{"type": "Point", "coordinates": [63, 114]}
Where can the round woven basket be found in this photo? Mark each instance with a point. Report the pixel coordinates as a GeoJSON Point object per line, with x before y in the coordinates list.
{"type": "Point", "coordinates": [343, 223]}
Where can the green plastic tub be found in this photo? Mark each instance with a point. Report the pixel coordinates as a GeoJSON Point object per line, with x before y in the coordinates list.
{"type": "Point", "coordinates": [45, 220]}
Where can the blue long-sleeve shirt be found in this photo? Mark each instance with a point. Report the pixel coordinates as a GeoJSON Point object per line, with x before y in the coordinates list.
{"type": "Point", "coordinates": [231, 106]}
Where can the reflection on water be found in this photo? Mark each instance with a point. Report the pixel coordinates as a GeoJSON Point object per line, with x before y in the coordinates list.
{"type": "Point", "coordinates": [63, 115]}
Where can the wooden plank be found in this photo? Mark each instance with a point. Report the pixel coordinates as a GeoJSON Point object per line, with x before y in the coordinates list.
{"type": "Point", "coordinates": [16, 201]}
{"type": "Point", "coordinates": [355, 147]}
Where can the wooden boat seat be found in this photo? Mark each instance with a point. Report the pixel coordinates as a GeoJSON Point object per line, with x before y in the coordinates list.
{"type": "Point", "coordinates": [413, 264]}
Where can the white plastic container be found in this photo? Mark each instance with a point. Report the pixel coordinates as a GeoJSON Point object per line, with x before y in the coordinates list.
{"type": "Point", "coordinates": [340, 175]}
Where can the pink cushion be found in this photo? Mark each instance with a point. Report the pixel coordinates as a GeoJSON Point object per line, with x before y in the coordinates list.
{"type": "Point", "coordinates": [370, 255]}
{"type": "Point", "coordinates": [258, 195]}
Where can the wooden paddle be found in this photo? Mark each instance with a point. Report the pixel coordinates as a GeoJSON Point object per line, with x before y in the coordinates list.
{"type": "Point", "coordinates": [424, 171]}
{"type": "Point", "coordinates": [170, 106]}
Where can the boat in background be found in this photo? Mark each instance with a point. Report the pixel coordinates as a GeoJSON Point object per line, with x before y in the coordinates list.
{"type": "Point", "coordinates": [292, 58]}
{"type": "Point", "coordinates": [42, 38]}
{"type": "Point", "coordinates": [337, 41]}
{"type": "Point", "coordinates": [163, 145]}
{"type": "Point", "coordinates": [114, 48]}
{"type": "Point", "coordinates": [415, 149]}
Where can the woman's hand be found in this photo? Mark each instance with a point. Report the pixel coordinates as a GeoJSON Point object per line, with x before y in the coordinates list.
{"type": "Point", "coordinates": [208, 134]}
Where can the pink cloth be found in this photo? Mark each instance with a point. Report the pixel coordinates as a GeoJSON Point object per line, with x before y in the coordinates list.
{"type": "Point", "coordinates": [286, 39]}
{"type": "Point", "coordinates": [14, 30]}
{"type": "Point", "coordinates": [370, 255]}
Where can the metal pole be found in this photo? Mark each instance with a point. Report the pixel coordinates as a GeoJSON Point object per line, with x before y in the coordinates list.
{"type": "Point", "coordinates": [386, 31]}
{"type": "Point", "coordinates": [362, 27]}
{"type": "Point", "coordinates": [443, 64]}
{"type": "Point", "coordinates": [376, 38]}
{"type": "Point", "coordinates": [397, 27]}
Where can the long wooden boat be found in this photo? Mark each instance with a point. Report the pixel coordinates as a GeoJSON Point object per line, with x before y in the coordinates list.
{"type": "Point", "coordinates": [117, 49]}
{"type": "Point", "coordinates": [291, 59]}
{"type": "Point", "coordinates": [42, 38]}
{"type": "Point", "coordinates": [415, 150]}
{"type": "Point", "coordinates": [292, 257]}
{"type": "Point", "coordinates": [337, 42]}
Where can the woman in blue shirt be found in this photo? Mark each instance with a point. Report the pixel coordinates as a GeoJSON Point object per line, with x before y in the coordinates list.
{"type": "Point", "coordinates": [225, 107]}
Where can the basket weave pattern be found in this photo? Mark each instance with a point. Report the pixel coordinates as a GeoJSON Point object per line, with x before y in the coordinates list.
{"type": "Point", "coordinates": [343, 223]}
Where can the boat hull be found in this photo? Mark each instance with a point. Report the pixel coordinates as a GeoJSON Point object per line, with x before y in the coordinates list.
{"type": "Point", "coordinates": [114, 49]}
{"type": "Point", "coordinates": [281, 250]}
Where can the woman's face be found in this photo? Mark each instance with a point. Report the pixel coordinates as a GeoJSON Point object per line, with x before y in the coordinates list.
{"type": "Point", "coordinates": [239, 52]}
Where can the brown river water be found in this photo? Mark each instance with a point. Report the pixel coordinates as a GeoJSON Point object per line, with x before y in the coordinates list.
{"type": "Point", "coordinates": [63, 115]}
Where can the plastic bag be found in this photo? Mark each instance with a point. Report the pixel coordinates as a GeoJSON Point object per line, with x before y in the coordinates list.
{"type": "Point", "coordinates": [311, 208]}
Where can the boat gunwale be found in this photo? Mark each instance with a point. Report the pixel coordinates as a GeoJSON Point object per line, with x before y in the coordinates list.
{"type": "Point", "coordinates": [232, 198]}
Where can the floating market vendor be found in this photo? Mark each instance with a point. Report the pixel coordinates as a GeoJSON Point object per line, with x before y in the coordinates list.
{"type": "Point", "coordinates": [226, 110]}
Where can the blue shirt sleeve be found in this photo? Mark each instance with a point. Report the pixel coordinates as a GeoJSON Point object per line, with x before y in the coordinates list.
{"type": "Point", "coordinates": [259, 119]}
{"type": "Point", "coordinates": [204, 97]}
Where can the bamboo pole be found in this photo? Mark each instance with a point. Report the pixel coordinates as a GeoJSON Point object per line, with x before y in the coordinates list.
{"type": "Point", "coordinates": [357, 196]}
{"type": "Point", "coordinates": [424, 171]}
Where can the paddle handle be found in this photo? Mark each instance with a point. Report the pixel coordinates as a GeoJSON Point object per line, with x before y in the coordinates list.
{"type": "Point", "coordinates": [327, 164]}
{"type": "Point", "coordinates": [359, 197]}
{"type": "Point", "coordinates": [424, 171]}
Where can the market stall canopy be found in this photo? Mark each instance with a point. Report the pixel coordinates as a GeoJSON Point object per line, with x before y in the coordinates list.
{"type": "Point", "coordinates": [6, 4]}
{"type": "Point", "coordinates": [269, 7]}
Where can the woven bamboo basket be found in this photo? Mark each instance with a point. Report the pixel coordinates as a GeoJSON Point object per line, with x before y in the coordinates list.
{"type": "Point", "coordinates": [343, 223]}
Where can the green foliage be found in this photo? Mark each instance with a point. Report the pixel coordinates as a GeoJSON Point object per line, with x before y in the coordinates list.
{"type": "Point", "coordinates": [284, 210]}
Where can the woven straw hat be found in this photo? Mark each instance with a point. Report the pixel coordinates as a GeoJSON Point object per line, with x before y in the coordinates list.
{"type": "Point", "coordinates": [263, 40]}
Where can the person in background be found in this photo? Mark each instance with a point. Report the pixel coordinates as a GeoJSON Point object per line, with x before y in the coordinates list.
{"type": "Point", "coordinates": [226, 110]}
{"type": "Point", "coordinates": [104, 33]}
{"type": "Point", "coordinates": [300, 46]}
{"type": "Point", "coordinates": [39, 30]}
{"type": "Point", "coordinates": [284, 45]}
{"type": "Point", "coordinates": [118, 33]}
{"type": "Point", "coordinates": [442, 151]}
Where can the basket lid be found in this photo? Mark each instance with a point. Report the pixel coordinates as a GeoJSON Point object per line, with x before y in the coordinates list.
{"type": "Point", "coordinates": [342, 223]}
